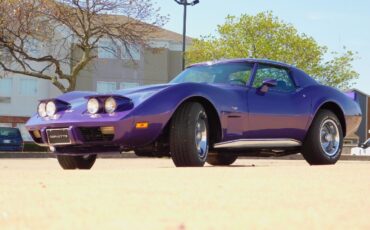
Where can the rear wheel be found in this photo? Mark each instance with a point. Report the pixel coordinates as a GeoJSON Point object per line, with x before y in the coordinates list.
{"type": "Point", "coordinates": [189, 136]}
{"type": "Point", "coordinates": [143, 153]}
{"type": "Point", "coordinates": [324, 141]}
{"type": "Point", "coordinates": [76, 162]}
{"type": "Point", "coordinates": [221, 159]}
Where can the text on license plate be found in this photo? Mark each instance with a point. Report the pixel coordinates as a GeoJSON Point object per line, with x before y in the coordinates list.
{"type": "Point", "coordinates": [58, 136]}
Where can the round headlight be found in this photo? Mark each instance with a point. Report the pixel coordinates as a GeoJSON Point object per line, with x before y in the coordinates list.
{"type": "Point", "coordinates": [41, 109]}
{"type": "Point", "coordinates": [110, 105]}
{"type": "Point", "coordinates": [93, 106]}
{"type": "Point", "coordinates": [51, 108]}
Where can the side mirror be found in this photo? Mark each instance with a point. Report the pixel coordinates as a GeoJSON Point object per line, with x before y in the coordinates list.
{"type": "Point", "coordinates": [270, 82]}
{"type": "Point", "coordinates": [266, 84]}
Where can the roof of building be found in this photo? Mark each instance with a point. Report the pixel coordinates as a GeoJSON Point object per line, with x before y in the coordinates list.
{"type": "Point", "coordinates": [159, 32]}
{"type": "Point", "coordinates": [164, 34]}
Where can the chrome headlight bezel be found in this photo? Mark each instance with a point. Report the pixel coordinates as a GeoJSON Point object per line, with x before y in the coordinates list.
{"type": "Point", "coordinates": [93, 106]}
{"type": "Point", "coordinates": [51, 108]}
{"type": "Point", "coordinates": [41, 109]}
{"type": "Point", "coordinates": [110, 105]}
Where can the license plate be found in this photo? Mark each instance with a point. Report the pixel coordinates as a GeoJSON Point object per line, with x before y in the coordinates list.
{"type": "Point", "coordinates": [58, 136]}
{"type": "Point", "coordinates": [7, 141]}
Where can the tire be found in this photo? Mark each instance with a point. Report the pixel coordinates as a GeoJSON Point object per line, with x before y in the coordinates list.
{"type": "Point", "coordinates": [189, 138]}
{"type": "Point", "coordinates": [325, 129]}
{"type": "Point", "coordinates": [221, 159]}
{"type": "Point", "coordinates": [76, 162]}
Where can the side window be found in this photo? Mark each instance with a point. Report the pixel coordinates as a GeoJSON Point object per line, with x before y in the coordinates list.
{"type": "Point", "coordinates": [241, 77]}
{"type": "Point", "coordinates": [284, 82]}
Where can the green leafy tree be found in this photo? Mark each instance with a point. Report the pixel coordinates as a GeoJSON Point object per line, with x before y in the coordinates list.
{"type": "Point", "coordinates": [266, 36]}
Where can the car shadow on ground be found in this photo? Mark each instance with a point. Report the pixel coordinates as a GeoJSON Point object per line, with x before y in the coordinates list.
{"type": "Point", "coordinates": [234, 166]}
{"type": "Point", "coordinates": [227, 166]}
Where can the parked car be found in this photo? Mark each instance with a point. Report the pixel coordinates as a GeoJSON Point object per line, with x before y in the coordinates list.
{"type": "Point", "coordinates": [211, 112]}
{"type": "Point", "coordinates": [366, 144]}
{"type": "Point", "coordinates": [10, 139]}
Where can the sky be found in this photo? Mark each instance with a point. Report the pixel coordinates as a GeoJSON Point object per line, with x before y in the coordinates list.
{"type": "Point", "coordinates": [334, 24]}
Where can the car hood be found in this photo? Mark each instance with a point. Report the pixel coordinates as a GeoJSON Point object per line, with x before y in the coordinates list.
{"type": "Point", "coordinates": [140, 94]}
{"type": "Point", "coordinates": [77, 99]}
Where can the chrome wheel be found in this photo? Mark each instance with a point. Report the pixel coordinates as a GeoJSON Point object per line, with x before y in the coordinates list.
{"type": "Point", "coordinates": [201, 138]}
{"type": "Point", "coordinates": [329, 137]}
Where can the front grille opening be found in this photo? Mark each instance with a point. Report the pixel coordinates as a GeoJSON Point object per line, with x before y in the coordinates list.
{"type": "Point", "coordinates": [36, 136]}
{"type": "Point", "coordinates": [94, 134]}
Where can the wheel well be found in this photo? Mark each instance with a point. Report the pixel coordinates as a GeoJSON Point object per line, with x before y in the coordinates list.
{"type": "Point", "coordinates": [160, 147]}
{"type": "Point", "coordinates": [338, 112]}
{"type": "Point", "coordinates": [213, 118]}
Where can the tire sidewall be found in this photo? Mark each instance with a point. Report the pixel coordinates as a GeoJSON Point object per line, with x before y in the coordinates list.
{"type": "Point", "coordinates": [332, 117]}
{"type": "Point", "coordinates": [76, 162]}
{"type": "Point", "coordinates": [312, 149]}
{"type": "Point", "coordinates": [183, 142]}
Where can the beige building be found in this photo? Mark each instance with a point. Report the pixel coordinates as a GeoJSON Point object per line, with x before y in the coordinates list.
{"type": "Point", "coordinates": [158, 63]}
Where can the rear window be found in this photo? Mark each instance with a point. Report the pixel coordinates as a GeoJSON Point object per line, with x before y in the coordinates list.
{"type": "Point", "coordinates": [9, 132]}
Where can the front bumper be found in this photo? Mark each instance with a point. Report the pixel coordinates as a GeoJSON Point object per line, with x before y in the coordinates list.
{"type": "Point", "coordinates": [126, 135]}
{"type": "Point", "coordinates": [82, 133]}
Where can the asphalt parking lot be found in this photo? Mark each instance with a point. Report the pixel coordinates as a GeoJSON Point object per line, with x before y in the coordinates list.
{"type": "Point", "coordinates": [153, 194]}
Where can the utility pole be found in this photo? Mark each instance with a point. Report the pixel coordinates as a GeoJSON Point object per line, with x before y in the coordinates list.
{"type": "Point", "coordinates": [185, 3]}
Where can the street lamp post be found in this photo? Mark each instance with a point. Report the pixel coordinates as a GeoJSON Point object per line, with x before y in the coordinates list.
{"type": "Point", "coordinates": [185, 3]}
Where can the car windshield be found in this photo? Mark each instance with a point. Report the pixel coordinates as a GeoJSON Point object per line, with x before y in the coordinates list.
{"type": "Point", "coordinates": [8, 132]}
{"type": "Point", "coordinates": [227, 73]}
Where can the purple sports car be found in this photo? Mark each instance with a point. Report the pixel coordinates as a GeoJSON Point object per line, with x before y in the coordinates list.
{"type": "Point", "coordinates": [211, 112]}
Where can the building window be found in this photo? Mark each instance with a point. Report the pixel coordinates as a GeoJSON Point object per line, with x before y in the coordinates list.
{"type": "Point", "coordinates": [34, 47]}
{"type": "Point", "coordinates": [128, 85]}
{"type": "Point", "coordinates": [28, 87]}
{"type": "Point", "coordinates": [108, 49]}
{"type": "Point", "coordinates": [131, 52]}
{"type": "Point", "coordinates": [112, 49]}
{"type": "Point", "coordinates": [6, 87]}
{"type": "Point", "coordinates": [106, 87]}
{"type": "Point", "coordinates": [5, 55]}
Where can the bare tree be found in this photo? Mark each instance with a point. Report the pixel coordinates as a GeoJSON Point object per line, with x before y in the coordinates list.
{"type": "Point", "coordinates": [38, 36]}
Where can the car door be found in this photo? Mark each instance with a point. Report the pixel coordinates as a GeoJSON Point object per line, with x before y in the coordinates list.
{"type": "Point", "coordinates": [281, 111]}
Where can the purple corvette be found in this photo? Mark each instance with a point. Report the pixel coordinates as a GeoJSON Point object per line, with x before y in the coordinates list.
{"type": "Point", "coordinates": [211, 112]}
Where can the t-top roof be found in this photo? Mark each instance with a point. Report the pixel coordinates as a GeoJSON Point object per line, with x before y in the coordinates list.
{"type": "Point", "coordinates": [252, 60]}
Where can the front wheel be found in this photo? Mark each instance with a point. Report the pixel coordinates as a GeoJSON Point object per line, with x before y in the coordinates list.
{"type": "Point", "coordinates": [76, 162]}
{"type": "Point", "coordinates": [189, 136]}
{"type": "Point", "coordinates": [324, 141]}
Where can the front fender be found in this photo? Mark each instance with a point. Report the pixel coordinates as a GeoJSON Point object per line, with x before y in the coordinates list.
{"type": "Point", "coordinates": [159, 109]}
